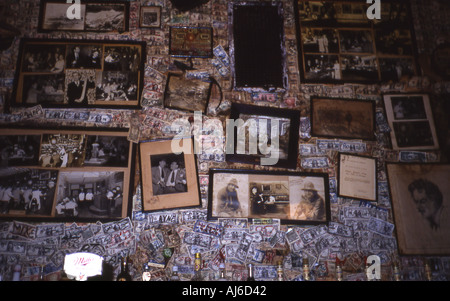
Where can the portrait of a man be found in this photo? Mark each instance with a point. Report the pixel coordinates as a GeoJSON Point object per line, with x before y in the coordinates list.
{"type": "Point", "coordinates": [228, 199]}
{"type": "Point", "coordinates": [312, 205]}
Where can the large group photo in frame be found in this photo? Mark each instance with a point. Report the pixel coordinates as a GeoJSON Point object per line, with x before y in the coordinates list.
{"type": "Point", "coordinates": [294, 198]}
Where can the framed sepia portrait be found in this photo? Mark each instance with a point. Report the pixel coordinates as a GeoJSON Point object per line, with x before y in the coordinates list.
{"type": "Point", "coordinates": [420, 202]}
{"type": "Point", "coordinates": [292, 197]}
{"type": "Point", "coordinates": [89, 16]}
{"type": "Point", "coordinates": [343, 118]}
{"type": "Point", "coordinates": [186, 41]}
{"type": "Point", "coordinates": [169, 174]}
{"type": "Point", "coordinates": [357, 177]}
{"type": "Point", "coordinates": [339, 43]}
{"type": "Point", "coordinates": [410, 118]}
{"type": "Point", "coordinates": [263, 136]}
{"type": "Point", "coordinates": [83, 74]}
{"type": "Point", "coordinates": [66, 175]}
{"type": "Point", "coordinates": [150, 17]}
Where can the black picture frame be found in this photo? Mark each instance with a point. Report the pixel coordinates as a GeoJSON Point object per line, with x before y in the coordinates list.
{"type": "Point", "coordinates": [111, 74]}
{"type": "Point", "coordinates": [150, 16]}
{"type": "Point", "coordinates": [76, 175]}
{"type": "Point", "coordinates": [338, 43]}
{"type": "Point", "coordinates": [343, 118]}
{"type": "Point", "coordinates": [269, 195]}
{"type": "Point", "coordinates": [239, 151]}
{"type": "Point", "coordinates": [95, 16]}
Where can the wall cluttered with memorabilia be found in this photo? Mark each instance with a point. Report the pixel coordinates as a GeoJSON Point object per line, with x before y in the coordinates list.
{"type": "Point", "coordinates": [302, 137]}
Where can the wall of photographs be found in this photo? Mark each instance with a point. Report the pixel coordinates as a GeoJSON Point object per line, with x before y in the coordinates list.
{"type": "Point", "coordinates": [362, 160]}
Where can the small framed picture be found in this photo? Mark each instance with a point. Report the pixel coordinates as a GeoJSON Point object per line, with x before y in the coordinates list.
{"type": "Point", "coordinates": [411, 121]}
{"type": "Point", "coordinates": [263, 136]}
{"type": "Point", "coordinates": [420, 205]}
{"type": "Point", "coordinates": [92, 16]}
{"type": "Point", "coordinates": [185, 41]}
{"type": "Point", "coordinates": [357, 177]}
{"type": "Point", "coordinates": [292, 197]}
{"type": "Point", "coordinates": [150, 16]}
{"type": "Point", "coordinates": [343, 118]}
{"type": "Point", "coordinates": [169, 174]}
{"type": "Point", "coordinates": [66, 174]}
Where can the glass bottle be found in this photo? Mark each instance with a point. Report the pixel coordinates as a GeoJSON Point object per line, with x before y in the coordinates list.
{"type": "Point", "coordinates": [175, 276]}
{"type": "Point", "coordinates": [41, 274]}
{"type": "Point", "coordinates": [306, 274]}
{"type": "Point", "coordinates": [280, 271]}
{"type": "Point", "coordinates": [250, 276]}
{"type": "Point", "coordinates": [222, 276]}
{"type": "Point", "coordinates": [339, 272]}
{"type": "Point", "coordinates": [124, 274]}
{"type": "Point", "coordinates": [146, 276]}
{"type": "Point", "coordinates": [396, 272]}
{"type": "Point", "coordinates": [16, 273]}
{"type": "Point", "coordinates": [197, 268]}
{"type": "Point", "coordinates": [428, 276]}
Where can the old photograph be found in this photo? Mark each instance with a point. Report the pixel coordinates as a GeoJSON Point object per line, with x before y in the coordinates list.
{"type": "Point", "coordinates": [19, 150]}
{"type": "Point", "coordinates": [84, 56]}
{"type": "Point", "coordinates": [116, 86]}
{"type": "Point", "coordinates": [88, 194]}
{"type": "Point", "coordinates": [150, 16]}
{"type": "Point", "coordinates": [79, 87]}
{"type": "Point", "coordinates": [319, 40]}
{"type": "Point", "coordinates": [322, 67]}
{"type": "Point", "coordinates": [27, 191]}
{"type": "Point", "coordinates": [103, 150]}
{"type": "Point", "coordinates": [43, 89]}
{"type": "Point", "coordinates": [168, 173]}
{"type": "Point", "coordinates": [106, 17]}
{"type": "Point", "coordinates": [122, 58]}
{"type": "Point", "coordinates": [55, 17]}
{"type": "Point", "coordinates": [62, 150]}
{"type": "Point", "coordinates": [43, 58]}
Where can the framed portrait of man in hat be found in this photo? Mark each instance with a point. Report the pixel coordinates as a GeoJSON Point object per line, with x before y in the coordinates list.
{"type": "Point", "coordinates": [291, 197]}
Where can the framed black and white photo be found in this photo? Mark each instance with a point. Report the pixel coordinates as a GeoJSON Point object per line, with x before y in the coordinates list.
{"type": "Point", "coordinates": [92, 16]}
{"type": "Point", "coordinates": [85, 73]}
{"type": "Point", "coordinates": [410, 118]}
{"type": "Point", "coordinates": [68, 174]}
{"type": "Point", "coordinates": [150, 17]}
{"type": "Point", "coordinates": [292, 197]}
{"type": "Point", "coordinates": [169, 174]}
{"type": "Point", "coordinates": [338, 43]}
{"type": "Point", "coordinates": [263, 136]}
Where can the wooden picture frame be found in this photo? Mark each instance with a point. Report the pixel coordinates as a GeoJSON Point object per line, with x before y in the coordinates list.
{"type": "Point", "coordinates": [287, 196]}
{"type": "Point", "coordinates": [343, 118]}
{"type": "Point", "coordinates": [150, 17]}
{"type": "Point", "coordinates": [249, 140]}
{"type": "Point", "coordinates": [72, 174]}
{"type": "Point", "coordinates": [357, 177]}
{"type": "Point", "coordinates": [420, 201]}
{"type": "Point", "coordinates": [109, 74]}
{"type": "Point", "coordinates": [87, 16]}
{"type": "Point", "coordinates": [338, 43]}
{"type": "Point", "coordinates": [166, 193]}
{"type": "Point", "coordinates": [188, 41]}
{"type": "Point", "coordinates": [410, 118]}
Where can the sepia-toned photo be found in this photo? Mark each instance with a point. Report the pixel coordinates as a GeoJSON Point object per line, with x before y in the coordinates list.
{"type": "Point", "coordinates": [88, 194]}
{"type": "Point", "coordinates": [320, 40]}
{"type": "Point", "coordinates": [43, 89]}
{"type": "Point", "coordinates": [343, 118]}
{"type": "Point", "coordinates": [106, 17]}
{"type": "Point", "coordinates": [103, 150]}
{"type": "Point", "coordinates": [420, 200]}
{"type": "Point", "coordinates": [84, 56]}
{"type": "Point", "coordinates": [299, 198]}
{"type": "Point", "coordinates": [80, 87]}
{"type": "Point", "coordinates": [62, 150]}
{"type": "Point", "coordinates": [19, 150]}
{"type": "Point", "coordinates": [116, 86]}
{"type": "Point", "coordinates": [168, 173]}
{"type": "Point", "coordinates": [55, 17]}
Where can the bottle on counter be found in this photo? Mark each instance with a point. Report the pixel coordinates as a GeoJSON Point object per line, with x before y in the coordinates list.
{"type": "Point", "coordinates": [146, 276]}
{"type": "Point", "coordinates": [250, 276]}
{"type": "Point", "coordinates": [280, 271]}
{"type": "Point", "coordinates": [306, 272]}
{"type": "Point", "coordinates": [124, 274]}
{"type": "Point", "coordinates": [197, 268]}
{"type": "Point", "coordinates": [222, 272]}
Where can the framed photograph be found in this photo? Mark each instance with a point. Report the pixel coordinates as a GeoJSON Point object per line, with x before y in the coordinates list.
{"type": "Point", "coordinates": [357, 177]}
{"type": "Point", "coordinates": [66, 175]}
{"type": "Point", "coordinates": [89, 16]}
{"type": "Point", "coordinates": [411, 121]}
{"type": "Point", "coordinates": [338, 43]}
{"type": "Point", "coordinates": [292, 197]}
{"type": "Point", "coordinates": [85, 73]}
{"type": "Point", "coordinates": [150, 16]}
{"type": "Point", "coordinates": [187, 94]}
{"type": "Point", "coordinates": [185, 41]}
{"type": "Point", "coordinates": [169, 174]}
{"type": "Point", "coordinates": [342, 118]}
{"type": "Point", "coordinates": [420, 203]}
{"type": "Point", "coordinates": [263, 136]}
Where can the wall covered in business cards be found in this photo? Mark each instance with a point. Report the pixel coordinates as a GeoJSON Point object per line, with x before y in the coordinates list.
{"type": "Point", "coordinates": [370, 117]}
